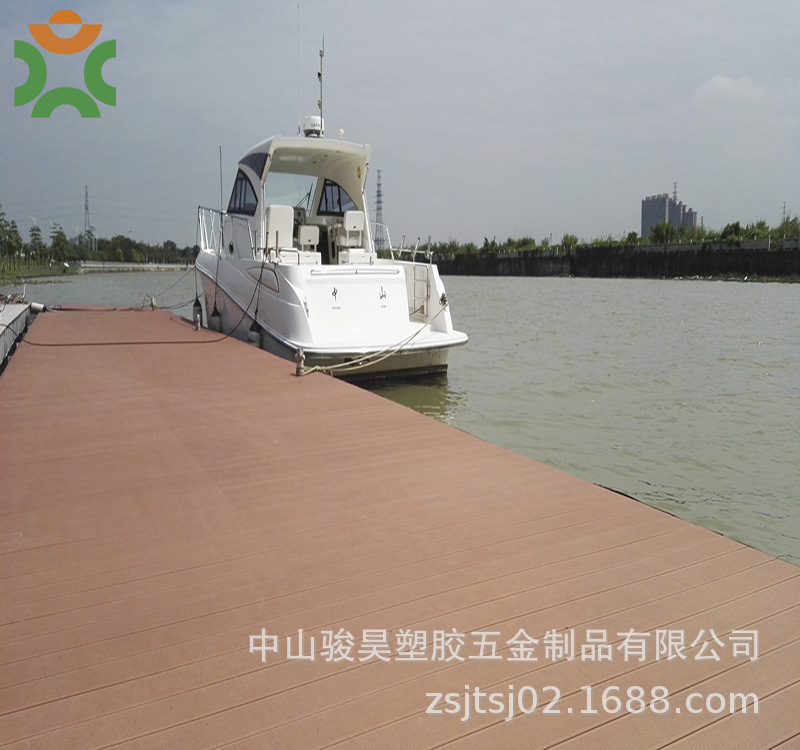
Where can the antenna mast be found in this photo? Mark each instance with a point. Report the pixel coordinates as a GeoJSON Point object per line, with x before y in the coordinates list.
{"type": "Point", "coordinates": [299, 123]}
{"type": "Point", "coordinates": [319, 76]}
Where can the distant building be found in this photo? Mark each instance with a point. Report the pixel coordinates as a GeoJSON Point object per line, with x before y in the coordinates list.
{"type": "Point", "coordinates": [661, 209]}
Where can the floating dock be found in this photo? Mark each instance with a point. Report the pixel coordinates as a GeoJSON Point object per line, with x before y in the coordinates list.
{"type": "Point", "coordinates": [14, 319]}
{"type": "Point", "coordinates": [199, 549]}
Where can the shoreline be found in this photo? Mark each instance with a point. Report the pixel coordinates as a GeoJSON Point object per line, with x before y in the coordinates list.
{"type": "Point", "coordinates": [28, 275]}
{"type": "Point", "coordinates": [651, 262]}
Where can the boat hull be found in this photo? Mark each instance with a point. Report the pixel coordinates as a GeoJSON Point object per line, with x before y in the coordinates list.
{"type": "Point", "coordinates": [393, 359]}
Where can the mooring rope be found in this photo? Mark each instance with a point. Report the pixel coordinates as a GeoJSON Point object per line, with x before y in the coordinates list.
{"type": "Point", "coordinates": [372, 359]}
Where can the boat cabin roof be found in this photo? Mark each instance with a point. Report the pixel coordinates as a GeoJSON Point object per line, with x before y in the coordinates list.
{"type": "Point", "coordinates": [344, 162]}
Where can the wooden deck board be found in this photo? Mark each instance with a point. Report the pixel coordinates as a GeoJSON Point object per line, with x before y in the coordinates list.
{"type": "Point", "coordinates": [166, 495]}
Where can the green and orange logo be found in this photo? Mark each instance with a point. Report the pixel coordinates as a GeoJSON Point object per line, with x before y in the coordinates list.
{"type": "Point", "coordinates": [97, 89]}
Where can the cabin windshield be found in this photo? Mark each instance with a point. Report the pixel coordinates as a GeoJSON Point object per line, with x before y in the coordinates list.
{"type": "Point", "coordinates": [335, 200]}
{"type": "Point", "coordinates": [290, 189]}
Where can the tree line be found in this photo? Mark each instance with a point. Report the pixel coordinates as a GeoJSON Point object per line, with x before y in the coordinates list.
{"type": "Point", "coordinates": [58, 249]}
{"type": "Point", "coordinates": [732, 234]}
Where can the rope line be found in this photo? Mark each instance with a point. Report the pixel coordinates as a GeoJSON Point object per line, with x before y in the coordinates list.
{"type": "Point", "coordinates": [375, 358]}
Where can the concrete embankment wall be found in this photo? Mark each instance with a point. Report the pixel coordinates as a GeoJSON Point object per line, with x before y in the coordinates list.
{"type": "Point", "coordinates": [671, 261]}
{"type": "Point", "coordinates": [95, 266]}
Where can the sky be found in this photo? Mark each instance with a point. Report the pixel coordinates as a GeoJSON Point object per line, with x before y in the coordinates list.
{"type": "Point", "coordinates": [501, 119]}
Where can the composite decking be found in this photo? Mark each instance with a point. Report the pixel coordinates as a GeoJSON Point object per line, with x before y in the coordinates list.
{"type": "Point", "coordinates": [180, 516]}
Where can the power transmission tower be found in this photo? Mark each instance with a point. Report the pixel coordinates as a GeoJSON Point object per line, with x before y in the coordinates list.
{"type": "Point", "coordinates": [380, 231]}
{"type": "Point", "coordinates": [86, 223]}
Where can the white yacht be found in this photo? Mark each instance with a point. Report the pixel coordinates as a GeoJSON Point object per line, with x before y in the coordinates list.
{"type": "Point", "coordinates": [292, 265]}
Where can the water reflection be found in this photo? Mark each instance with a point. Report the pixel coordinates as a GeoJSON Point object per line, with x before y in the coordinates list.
{"type": "Point", "coordinates": [431, 395]}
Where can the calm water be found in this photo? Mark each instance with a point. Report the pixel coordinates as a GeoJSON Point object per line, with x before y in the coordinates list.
{"type": "Point", "coordinates": [683, 394]}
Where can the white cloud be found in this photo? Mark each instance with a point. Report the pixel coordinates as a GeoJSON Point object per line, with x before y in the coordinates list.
{"type": "Point", "coordinates": [721, 89]}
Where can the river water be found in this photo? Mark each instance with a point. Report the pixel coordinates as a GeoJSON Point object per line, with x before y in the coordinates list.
{"type": "Point", "coordinates": [683, 394]}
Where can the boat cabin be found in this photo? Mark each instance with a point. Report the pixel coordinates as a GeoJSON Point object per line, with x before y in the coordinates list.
{"type": "Point", "coordinates": [301, 200]}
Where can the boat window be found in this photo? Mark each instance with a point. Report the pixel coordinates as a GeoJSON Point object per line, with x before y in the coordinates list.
{"type": "Point", "coordinates": [335, 200]}
{"type": "Point", "coordinates": [243, 198]}
{"type": "Point", "coordinates": [256, 162]}
{"type": "Point", "coordinates": [289, 189]}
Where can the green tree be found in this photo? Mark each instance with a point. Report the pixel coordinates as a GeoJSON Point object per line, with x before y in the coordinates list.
{"type": "Point", "coordinates": [789, 227]}
{"type": "Point", "coordinates": [36, 246]}
{"type": "Point", "coordinates": [692, 234]}
{"type": "Point", "coordinates": [663, 233]}
{"type": "Point", "coordinates": [569, 241]}
{"type": "Point", "coordinates": [756, 231]}
{"type": "Point", "coordinates": [60, 248]}
{"type": "Point", "coordinates": [732, 232]}
{"type": "Point", "coordinates": [525, 243]}
{"type": "Point", "coordinates": [14, 241]}
{"type": "Point", "coordinates": [4, 249]}
{"type": "Point", "coordinates": [170, 252]}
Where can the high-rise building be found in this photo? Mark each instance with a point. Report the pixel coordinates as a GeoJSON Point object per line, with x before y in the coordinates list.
{"type": "Point", "coordinates": [663, 209]}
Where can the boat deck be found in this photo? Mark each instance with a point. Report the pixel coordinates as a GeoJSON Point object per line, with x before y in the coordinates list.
{"type": "Point", "coordinates": [199, 549]}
